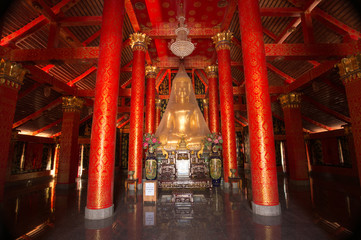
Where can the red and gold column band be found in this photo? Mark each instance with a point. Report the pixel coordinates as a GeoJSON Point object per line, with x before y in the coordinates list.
{"type": "Point", "coordinates": [263, 168]}
{"type": "Point", "coordinates": [69, 154]}
{"type": "Point", "coordinates": [350, 73]}
{"type": "Point", "coordinates": [11, 79]}
{"type": "Point", "coordinates": [213, 98]}
{"type": "Point", "coordinates": [151, 74]}
{"type": "Point", "coordinates": [103, 136]}
{"type": "Point", "coordinates": [139, 43]}
{"type": "Point", "coordinates": [223, 45]}
{"type": "Point", "coordinates": [158, 107]}
{"type": "Point", "coordinates": [296, 150]}
{"type": "Point", "coordinates": [206, 111]}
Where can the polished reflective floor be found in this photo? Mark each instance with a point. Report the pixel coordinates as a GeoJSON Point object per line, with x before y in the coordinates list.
{"type": "Point", "coordinates": [326, 209]}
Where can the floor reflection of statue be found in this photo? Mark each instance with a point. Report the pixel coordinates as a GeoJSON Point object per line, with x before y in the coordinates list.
{"type": "Point", "coordinates": [182, 117]}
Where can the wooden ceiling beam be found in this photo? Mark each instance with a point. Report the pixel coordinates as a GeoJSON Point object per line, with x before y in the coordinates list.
{"type": "Point", "coordinates": [28, 90]}
{"type": "Point", "coordinates": [228, 16]}
{"type": "Point", "coordinates": [325, 109]}
{"type": "Point", "coordinates": [81, 76]}
{"type": "Point", "coordinates": [240, 122]}
{"type": "Point", "coordinates": [80, 21]}
{"type": "Point", "coordinates": [287, 78]}
{"type": "Point", "coordinates": [46, 127]}
{"type": "Point", "coordinates": [335, 24]}
{"type": "Point", "coordinates": [124, 123]}
{"type": "Point", "coordinates": [38, 112]}
{"type": "Point", "coordinates": [281, 12]}
{"type": "Point", "coordinates": [317, 123]}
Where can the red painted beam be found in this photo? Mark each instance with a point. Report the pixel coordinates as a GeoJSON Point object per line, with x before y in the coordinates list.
{"type": "Point", "coordinates": [167, 33]}
{"type": "Point", "coordinates": [270, 34]}
{"type": "Point", "coordinates": [335, 24]}
{"type": "Point", "coordinates": [317, 123]}
{"type": "Point", "coordinates": [92, 38]}
{"type": "Point", "coordinates": [288, 79]}
{"type": "Point", "coordinates": [307, 28]}
{"type": "Point", "coordinates": [228, 15]}
{"type": "Point", "coordinates": [42, 77]}
{"type": "Point", "coordinates": [46, 127]}
{"type": "Point", "coordinates": [80, 21]}
{"type": "Point", "coordinates": [240, 107]}
{"type": "Point", "coordinates": [46, 10]}
{"type": "Point", "coordinates": [290, 28]}
{"type": "Point", "coordinates": [339, 88]}
{"type": "Point", "coordinates": [326, 109]}
{"type": "Point", "coordinates": [310, 75]}
{"type": "Point", "coordinates": [126, 83]}
{"type": "Point", "coordinates": [38, 112]}
{"type": "Point", "coordinates": [280, 118]}
{"type": "Point", "coordinates": [131, 14]}
{"type": "Point", "coordinates": [85, 74]}
{"type": "Point", "coordinates": [124, 123]}
{"type": "Point", "coordinates": [37, 23]}
{"type": "Point", "coordinates": [81, 121]}
{"type": "Point", "coordinates": [238, 121]}
{"type": "Point", "coordinates": [281, 12]}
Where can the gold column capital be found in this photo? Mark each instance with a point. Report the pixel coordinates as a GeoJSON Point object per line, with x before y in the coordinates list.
{"type": "Point", "coordinates": [350, 68]}
{"type": "Point", "coordinates": [211, 71]}
{"type": "Point", "coordinates": [11, 74]}
{"type": "Point", "coordinates": [151, 71]}
{"type": "Point", "coordinates": [205, 102]}
{"type": "Point", "coordinates": [158, 103]}
{"type": "Point", "coordinates": [290, 100]}
{"type": "Point", "coordinates": [223, 40]}
{"type": "Point", "coordinates": [139, 41]}
{"type": "Point", "coordinates": [72, 104]}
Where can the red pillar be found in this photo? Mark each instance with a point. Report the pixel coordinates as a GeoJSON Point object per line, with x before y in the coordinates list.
{"type": "Point", "coordinates": [139, 42]}
{"type": "Point", "coordinates": [158, 106]}
{"type": "Point", "coordinates": [9, 86]}
{"type": "Point", "coordinates": [69, 147]}
{"type": "Point", "coordinates": [223, 45]}
{"type": "Point", "coordinates": [213, 98]}
{"type": "Point", "coordinates": [206, 111]}
{"type": "Point", "coordinates": [350, 72]}
{"type": "Point", "coordinates": [263, 160]}
{"type": "Point", "coordinates": [151, 73]}
{"type": "Point", "coordinates": [102, 144]}
{"type": "Point", "coordinates": [296, 154]}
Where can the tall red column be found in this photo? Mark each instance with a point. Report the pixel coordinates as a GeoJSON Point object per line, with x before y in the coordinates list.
{"type": "Point", "coordinates": [11, 78]}
{"type": "Point", "coordinates": [296, 152]}
{"type": "Point", "coordinates": [223, 45]}
{"type": "Point", "coordinates": [139, 42]}
{"type": "Point", "coordinates": [350, 72]}
{"type": "Point", "coordinates": [69, 147]}
{"type": "Point", "coordinates": [158, 106]}
{"type": "Point", "coordinates": [102, 143]}
{"type": "Point", "coordinates": [263, 160]}
{"type": "Point", "coordinates": [206, 111]}
{"type": "Point", "coordinates": [213, 98]}
{"type": "Point", "coordinates": [150, 73]}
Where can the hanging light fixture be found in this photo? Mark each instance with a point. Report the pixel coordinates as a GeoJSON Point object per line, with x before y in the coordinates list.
{"type": "Point", "coordinates": [182, 46]}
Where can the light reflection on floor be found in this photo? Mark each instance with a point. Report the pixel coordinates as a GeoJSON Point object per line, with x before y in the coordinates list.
{"type": "Point", "coordinates": [322, 210]}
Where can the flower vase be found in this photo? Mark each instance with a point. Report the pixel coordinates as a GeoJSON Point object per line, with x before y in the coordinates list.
{"type": "Point", "coordinates": [150, 165]}
{"type": "Point", "coordinates": [215, 165]}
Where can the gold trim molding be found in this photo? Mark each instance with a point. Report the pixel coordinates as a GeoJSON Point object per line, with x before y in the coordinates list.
{"type": "Point", "coordinates": [211, 71]}
{"type": "Point", "coordinates": [151, 71]}
{"type": "Point", "coordinates": [139, 41]}
{"type": "Point", "coordinates": [72, 104]}
{"type": "Point", "coordinates": [350, 68]}
{"type": "Point", "coordinates": [290, 100]}
{"type": "Point", "coordinates": [223, 40]}
{"type": "Point", "coordinates": [11, 74]}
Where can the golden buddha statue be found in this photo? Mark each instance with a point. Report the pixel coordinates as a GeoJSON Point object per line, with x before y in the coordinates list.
{"type": "Point", "coordinates": [182, 118]}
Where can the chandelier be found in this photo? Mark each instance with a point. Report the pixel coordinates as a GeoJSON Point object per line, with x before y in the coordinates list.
{"type": "Point", "coordinates": [182, 46]}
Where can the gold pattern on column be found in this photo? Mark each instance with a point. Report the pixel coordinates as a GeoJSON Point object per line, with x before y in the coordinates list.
{"type": "Point", "coordinates": [151, 71]}
{"type": "Point", "coordinates": [72, 104]}
{"type": "Point", "coordinates": [139, 41]}
{"type": "Point", "coordinates": [212, 71]}
{"type": "Point", "coordinates": [290, 100]}
{"type": "Point", "coordinates": [350, 68]}
{"type": "Point", "coordinates": [223, 40]}
{"type": "Point", "coordinates": [11, 74]}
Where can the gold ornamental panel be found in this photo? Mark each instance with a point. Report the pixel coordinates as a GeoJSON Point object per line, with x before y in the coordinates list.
{"type": "Point", "coordinates": [158, 103]}
{"type": "Point", "coordinates": [290, 100]}
{"type": "Point", "coordinates": [11, 74]}
{"type": "Point", "coordinates": [223, 40]}
{"type": "Point", "coordinates": [139, 41]}
{"type": "Point", "coordinates": [72, 104]}
{"type": "Point", "coordinates": [151, 71]}
{"type": "Point", "coordinates": [205, 102]}
{"type": "Point", "coordinates": [211, 71]}
{"type": "Point", "coordinates": [350, 68]}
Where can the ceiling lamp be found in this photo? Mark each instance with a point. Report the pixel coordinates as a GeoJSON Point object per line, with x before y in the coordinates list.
{"type": "Point", "coordinates": [182, 46]}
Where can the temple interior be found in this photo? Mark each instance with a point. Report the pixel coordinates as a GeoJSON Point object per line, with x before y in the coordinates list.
{"type": "Point", "coordinates": [180, 119]}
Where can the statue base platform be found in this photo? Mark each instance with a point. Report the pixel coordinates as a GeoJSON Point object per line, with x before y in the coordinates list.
{"type": "Point", "coordinates": [188, 183]}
